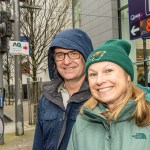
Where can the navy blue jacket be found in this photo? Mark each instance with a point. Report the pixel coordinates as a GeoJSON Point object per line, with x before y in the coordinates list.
{"type": "Point", "coordinates": [54, 122]}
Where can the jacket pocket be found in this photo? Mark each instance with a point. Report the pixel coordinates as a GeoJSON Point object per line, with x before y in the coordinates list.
{"type": "Point", "coordinates": [49, 116]}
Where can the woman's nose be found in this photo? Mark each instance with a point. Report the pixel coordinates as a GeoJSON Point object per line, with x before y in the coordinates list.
{"type": "Point", "coordinates": [101, 79]}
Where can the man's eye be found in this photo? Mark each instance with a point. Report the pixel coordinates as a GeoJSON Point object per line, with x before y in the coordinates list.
{"type": "Point", "coordinates": [74, 53]}
{"type": "Point", "coordinates": [59, 55]}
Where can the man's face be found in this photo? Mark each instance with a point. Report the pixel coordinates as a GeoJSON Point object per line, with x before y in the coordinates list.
{"type": "Point", "coordinates": [70, 63]}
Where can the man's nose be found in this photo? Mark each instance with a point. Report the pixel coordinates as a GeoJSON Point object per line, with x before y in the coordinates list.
{"type": "Point", "coordinates": [67, 60]}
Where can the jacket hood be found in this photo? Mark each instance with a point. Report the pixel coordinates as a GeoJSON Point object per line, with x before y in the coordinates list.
{"type": "Point", "coordinates": [75, 39]}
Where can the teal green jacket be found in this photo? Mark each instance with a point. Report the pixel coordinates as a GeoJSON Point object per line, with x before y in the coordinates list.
{"type": "Point", "coordinates": [92, 132]}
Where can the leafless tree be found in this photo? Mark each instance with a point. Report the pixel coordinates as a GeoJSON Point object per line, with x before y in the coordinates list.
{"type": "Point", "coordinates": [8, 73]}
{"type": "Point", "coordinates": [40, 21]}
{"type": "Point", "coordinates": [39, 26]}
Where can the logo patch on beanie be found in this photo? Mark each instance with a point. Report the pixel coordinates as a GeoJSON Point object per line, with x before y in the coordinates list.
{"type": "Point", "coordinates": [97, 55]}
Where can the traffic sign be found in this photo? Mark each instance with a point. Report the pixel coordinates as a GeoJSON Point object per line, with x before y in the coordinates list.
{"type": "Point", "coordinates": [19, 48]}
{"type": "Point", "coordinates": [139, 18]}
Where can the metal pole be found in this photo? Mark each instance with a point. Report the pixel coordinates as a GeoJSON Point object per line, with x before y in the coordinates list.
{"type": "Point", "coordinates": [2, 100]}
{"type": "Point", "coordinates": [18, 78]}
{"type": "Point", "coordinates": [145, 62]}
{"type": "Point", "coordinates": [29, 100]}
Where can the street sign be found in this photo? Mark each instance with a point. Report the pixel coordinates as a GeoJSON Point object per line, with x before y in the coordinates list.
{"type": "Point", "coordinates": [19, 48]}
{"type": "Point", "coordinates": [139, 18]}
{"type": "Point", "coordinates": [25, 39]}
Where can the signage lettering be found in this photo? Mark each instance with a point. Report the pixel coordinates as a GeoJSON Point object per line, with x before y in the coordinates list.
{"type": "Point", "coordinates": [133, 17]}
{"type": "Point", "coordinates": [17, 44]}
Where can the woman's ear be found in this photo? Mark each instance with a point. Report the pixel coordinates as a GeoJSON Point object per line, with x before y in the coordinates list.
{"type": "Point", "coordinates": [128, 78]}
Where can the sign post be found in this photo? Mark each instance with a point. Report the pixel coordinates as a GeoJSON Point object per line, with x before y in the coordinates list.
{"type": "Point", "coordinates": [1, 101]}
{"type": "Point", "coordinates": [18, 76]}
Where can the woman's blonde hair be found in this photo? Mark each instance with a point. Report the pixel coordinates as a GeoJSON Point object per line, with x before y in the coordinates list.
{"type": "Point", "coordinates": [141, 113]}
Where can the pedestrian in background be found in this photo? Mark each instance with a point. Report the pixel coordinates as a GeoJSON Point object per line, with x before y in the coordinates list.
{"type": "Point", "coordinates": [61, 100]}
{"type": "Point", "coordinates": [117, 116]}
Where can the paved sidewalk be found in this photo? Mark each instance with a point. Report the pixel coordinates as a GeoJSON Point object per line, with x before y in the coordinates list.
{"type": "Point", "coordinates": [11, 141]}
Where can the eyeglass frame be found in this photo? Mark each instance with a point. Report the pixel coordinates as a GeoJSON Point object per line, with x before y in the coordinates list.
{"type": "Point", "coordinates": [64, 54]}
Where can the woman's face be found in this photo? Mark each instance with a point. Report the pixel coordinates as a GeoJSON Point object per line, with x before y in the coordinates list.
{"type": "Point", "coordinates": [108, 83]}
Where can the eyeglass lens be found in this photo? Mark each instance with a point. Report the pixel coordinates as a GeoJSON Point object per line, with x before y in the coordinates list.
{"type": "Point", "coordinates": [72, 55]}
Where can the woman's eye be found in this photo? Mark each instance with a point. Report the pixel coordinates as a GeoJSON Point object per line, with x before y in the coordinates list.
{"type": "Point", "coordinates": [92, 74]}
{"type": "Point", "coordinates": [109, 70]}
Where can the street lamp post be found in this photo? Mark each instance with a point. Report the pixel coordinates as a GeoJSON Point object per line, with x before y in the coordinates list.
{"type": "Point", "coordinates": [18, 76]}
{"type": "Point", "coordinates": [1, 101]}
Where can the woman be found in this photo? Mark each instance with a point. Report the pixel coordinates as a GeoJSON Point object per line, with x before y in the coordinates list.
{"type": "Point", "coordinates": [117, 117]}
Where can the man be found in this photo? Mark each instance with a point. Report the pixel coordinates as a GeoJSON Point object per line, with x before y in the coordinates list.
{"type": "Point", "coordinates": [61, 100]}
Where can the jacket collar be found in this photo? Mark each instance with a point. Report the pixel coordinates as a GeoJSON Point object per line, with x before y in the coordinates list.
{"type": "Point", "coordinates": [50, 91]}
{"type": "Point", "coordinates": [95, 115]}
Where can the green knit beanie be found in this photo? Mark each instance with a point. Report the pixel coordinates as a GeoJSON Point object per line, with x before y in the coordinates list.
{"type": "Point", "coordinates": [116, 51]}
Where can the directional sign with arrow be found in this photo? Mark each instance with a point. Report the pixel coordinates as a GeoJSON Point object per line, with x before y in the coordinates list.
{"type": "Point", "coordinates": [135, 30]}
{"type": "Point", "coordinates": [139, 18]}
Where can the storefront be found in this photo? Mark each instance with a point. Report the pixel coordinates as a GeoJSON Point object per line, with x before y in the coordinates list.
{"type": "Point", "coordinates": [140, 54]}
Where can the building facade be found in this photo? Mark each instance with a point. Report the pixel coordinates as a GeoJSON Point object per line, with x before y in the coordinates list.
{"type": "Point", "coordinates": [104, 20]}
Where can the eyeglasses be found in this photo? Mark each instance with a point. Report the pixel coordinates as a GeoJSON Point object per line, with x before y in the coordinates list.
{"type": "Point", "coordinates": [71, 54]}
